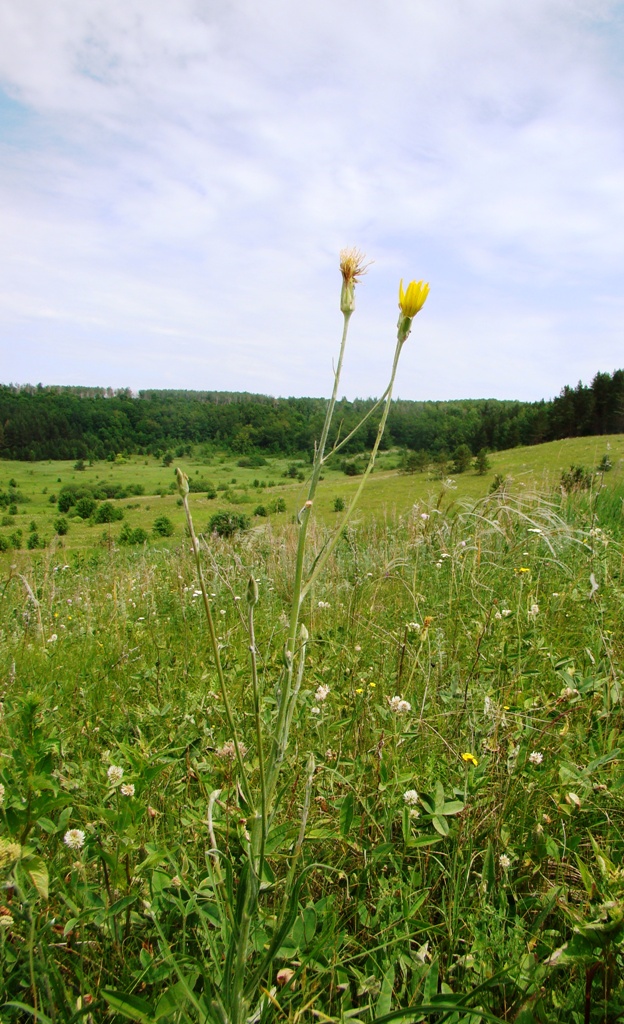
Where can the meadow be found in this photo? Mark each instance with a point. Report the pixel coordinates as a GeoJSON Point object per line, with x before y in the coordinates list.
{"type": "Point", "coordinates": [443, 839]}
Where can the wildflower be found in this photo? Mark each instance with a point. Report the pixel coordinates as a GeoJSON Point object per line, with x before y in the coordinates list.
{"type": "Point", "coordinates": [399, 706]}
{"type": "Point", "coordinates": [505, 612]}
{"type": "Point", "coordinates": [424, 515]}
{"type": "Point", "coordinates": [53, 638]}
{"type": "Point", "coordinates": [410, 797]}
{"type": "Point", "coordinates": [412, 300]}
{"type": "Point", "coordinates": [151, 812]}
{"type": "Point", "coordinates": [7, 920]}
{"type": "Point", "coordinates": [470, 758]}
{"type": "Point", "coordinates": [569, 692]}
{"type": "Point", "coordinates": [414, 627]}
{"type": "Point", "coordinates": [330, 755]}
{"type": "Point", "coordinates": [359, 689]}
{"type": "Point", "coordinates": [115, 774]}
{"type": "Point", "coordinates": [352, 267]}
{"type": "Point", "coordinates": [315, 711]}
{"type": "Point", "coordinates": [8, 852]}
{"type": "Point", "coordinates": [2, 792]}
{"type": "Point", "coordinates": [357, 648]}
{"type": "Point", "coordinates": [183, 483]}
{"type": "Point", "coordinates": [428, 619]}
{"type": "Point", "coordinates": [176, 881]}
{"type": "Point", "coordinates": [284, 975]}
{"type": "Point", "coordinates": [321, 693]}
{"type": "Point", "coordinates": [497, 615]}
{"type": "Point", "coordinates": [504, 861]}
{"type": "Point", "coordinates": [522, 568]}
{"type": "Point", "coordinates": [534, 610]}
{"type": "Point", "coordinates": [324, 604]}
{"type": "Point", "coordinates": [74, 839]}
{"type": "Point", "coordinates": [536, 757]}
{"type": "Point", "coordinates": [127, 789]}
{"type": "Point", "coordinates": [228, 751]}
{"type": "Point", "coordinates": [438, 565]}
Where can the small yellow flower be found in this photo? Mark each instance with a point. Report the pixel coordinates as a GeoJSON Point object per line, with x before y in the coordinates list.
{"type": "Point", "coordinates": [413, 300]}
{"type": "Point", "coordinates": [359, 690]}
{"type": "Point", "coordinates": [470, 758]}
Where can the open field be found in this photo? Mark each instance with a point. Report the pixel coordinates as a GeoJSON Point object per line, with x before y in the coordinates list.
{"type": "Point", "coordinates": [447, 834]}
{"type": "Point", "coordinates": [389, 491]}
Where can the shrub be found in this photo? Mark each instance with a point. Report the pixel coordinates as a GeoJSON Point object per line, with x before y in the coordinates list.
{"type": "Point", "coordinates": [85, 507]}
{"type": "Point", "coordinates": [226, 524]}
{"type": "Point", "coordinates": [16, 539]}
{"type": "Point", "coordinates": [605, 464]}
{"type": "Point", "coordinates": [351, 467]}
{"type": "Point", "coordinates": [12, 510]}
{"type": "Point", "coordinates": [33, 541]}
{"type": "Point", "coordinates": [339, 505]}
{"type": "Point", "coordinates": [203, 486]}
{"type": "Point", "coordinates": [260, 510]}
{"type": "Point", "coordinates": [277, 505]}
{"type": "Point", "coordinates": [576, 479]}
{"type": "Point", "coordinates": [163, 527]}
{"type": "Point", "coordinates": [132, 536]}
{"type": "Point", "coordinates": [80, 466]}
{"type": "Point", "coordinates": [252, 461]}
{"type": "Point", "coordinates": [61, 526]}
{"type": "Point", "coordinates": [481, 462]}
{"type": "Point", "coordinates": [65, 501]}
{"type": "Point", "coordinates": [4, 543]}
{"type": "Point", "coordinates": [107, 513]}
{"type": "Point", "coordinates": [462, 457]}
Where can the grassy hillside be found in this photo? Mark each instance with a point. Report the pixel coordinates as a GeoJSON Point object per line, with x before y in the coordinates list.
{"type": "Point", "coordinates": [390, 492]}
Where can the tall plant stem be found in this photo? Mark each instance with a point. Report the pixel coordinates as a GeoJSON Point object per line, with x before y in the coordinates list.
{"type": "Point", "coordinates": [215, 648]}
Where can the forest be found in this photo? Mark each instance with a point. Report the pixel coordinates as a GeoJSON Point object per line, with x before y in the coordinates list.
{"type": "Point", "coordinates": [56, 422]}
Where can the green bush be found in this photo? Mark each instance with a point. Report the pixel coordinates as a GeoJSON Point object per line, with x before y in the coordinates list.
{"type": "Point", "coordinates": [261, 510]}
{"type": "Point", "coordinates": [4, 543]}
{"type": "Point", "coordinates": [107, 513]}
{"type": "Point", "coordinates": [277, 505]}
{"type": "Point", "coordinates": [163, 527]}
{"type": "Point", "coordinates": [15, 539]}
{"type": "Point", "coordinates": [33, 541]}
{"type": "Point", "coordinates": [226, 524]}
{"type": "Point", "coordinates": [129, 535]}
{"type": "Point", "coordinates": [85, 507]}
{"type": "Point", "coordinates": [252, 461]}
{"type": "Point", "coordinates": [339, 505]}
{"type": "Point", "coordinates": [61, 526]}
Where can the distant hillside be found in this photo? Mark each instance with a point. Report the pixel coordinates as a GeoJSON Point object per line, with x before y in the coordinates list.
{"type": "Point", "coordinates": [39, 422]}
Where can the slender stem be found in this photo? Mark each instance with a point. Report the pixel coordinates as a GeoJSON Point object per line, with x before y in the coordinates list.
{"type": "Point", "coordinates": [217, 656]}
{"type": "Point", "coordinates": [373, 408]}
{"type": "Point", "coordinates": [258, 855]}
{"type": "Point", "coordinates": [322, 561]}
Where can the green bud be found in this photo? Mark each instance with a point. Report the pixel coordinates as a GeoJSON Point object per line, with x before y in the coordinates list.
{"type": "Point", "coordinates": [252, 592]}
{"type": "Point", "coordinates": [183, 484]}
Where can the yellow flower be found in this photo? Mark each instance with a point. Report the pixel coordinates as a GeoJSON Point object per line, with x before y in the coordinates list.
{"type": "Point", "coordinates": [413, 300]}
{"type": "Point", "coordinates": [359, 689]}
{"type": "Point", "coordinates": [471, 758]}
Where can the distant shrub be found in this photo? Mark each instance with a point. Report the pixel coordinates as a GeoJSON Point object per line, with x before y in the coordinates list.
{"type": "Point", "coordinates": [277, 505]}
{"type": "Point", "coordinates": [339, 505]}
{"type": "Point", "coordinates": [4, 543]}
{"type": "Point", "coordinates": [61, 526]}
{"type": "Point", "coordinates": [497, 483]}
{"type": "Point", "coordinates": [163, 527]}
{"type": "Point", "coordinates": [80, 466]}
{"type": "Point", "coordinates": [352, 467]}
{"type": "Point", "coordinates": [16, 539]}
{"type": "Point", "coordinates": [226, 524]}
{"type": "Point", "coordinates": [132, 536]}
{"type": "Point", "coordinates": [6, 521]}
{"type": "Point", "coordinates": [12, 510]}
{"type": "Point", "coordinates": [107, 513]}
{"type": "Point", "coordinates": [414, 461]}
{"type": "Point", "coordinates": [167, 458]}
{"type": "Point", "coordinates": [33, 541]}
{"type": "Point", "coordinates": [261, 510]}
{"type": "Point", "coordinates": [85, 507]}
{"type": "Point", "coordinates": [605, 464]}
{"type": "Point", "coordinates": [481, 462]}
{"type": "Point", "coordinates": [252, 461]}
{"type": "Point", "coordinates": [577, 478]}
{"type": "Point", "coordinates": [462, 458]}
{"type": "Point", "coordinates": [202, 486]}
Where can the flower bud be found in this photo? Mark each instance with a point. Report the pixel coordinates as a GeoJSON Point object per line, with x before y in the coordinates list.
{"type": "Point", "coordinates": [183, 484]}
{"type": "Point", "coordinates": [252, 592]}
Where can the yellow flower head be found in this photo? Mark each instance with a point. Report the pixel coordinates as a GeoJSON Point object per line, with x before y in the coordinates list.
{"type": "Point", "coordinates": [470, 758]}
{"type": "Point", "coordinates": [413, 300]}
{"type": "Point", "coordinates": [352, 267]}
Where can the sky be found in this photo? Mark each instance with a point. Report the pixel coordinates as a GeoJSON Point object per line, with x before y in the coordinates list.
{"type": "Point", "coordinates": [177, 178]}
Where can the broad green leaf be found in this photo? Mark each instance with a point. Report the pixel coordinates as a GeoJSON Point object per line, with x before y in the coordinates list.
{"type": "Point", "coordinates": [132, 1007]}
{"type": "Point", "coordinates": [38, 873]}
{"type": "Point", "coordinates": [384, 1003]}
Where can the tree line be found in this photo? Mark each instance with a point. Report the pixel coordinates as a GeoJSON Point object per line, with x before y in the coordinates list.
{"type": "Point", "coordinates": [38, 422]}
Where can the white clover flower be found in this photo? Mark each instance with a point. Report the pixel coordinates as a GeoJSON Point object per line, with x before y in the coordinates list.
{"type": "Point", "coordinates": [497, 615]}
{"type": "Point", "coordinates": [410, 797]}
{"type": "Point", "coordinates": [53, 638]}
{"type": "Point", "coordinates": [228, 751]}
{"type": "Point", "coordinates": [504, 861]}
{"type": "Point", "coordinates": [505, 612]}
{"type": "Point", "coordinates": [315, 711]}
{"type": "Point", "coordinates": [438, 565]}
{"type": "Point", "coordinates": [424, 515]}
{"type": "Point", "coordinates": [74, 839]}
{"type": "Point", "coordinates": [115, 774]}
{"type": "Point", "coordinates": [322, 693]}
{"type": "Point", "coordinates": [414, 627]}
{"type": "Point", "coordinates": [7, 921]}
{"type": "Point", "coordinates": [176, 881]}
{"type": "Point", "coordinates": [127, 789]}
{"type": "Point", "coordinates": [324, 604]}
{"type": "Point", "coordinates": [534, 610]}
{"type": "Point", "coordinates": [536, 757]}
{"type": "Point", "coordinates": [569, 692]}
{"type": "Point", "coordinates": [399, 706]}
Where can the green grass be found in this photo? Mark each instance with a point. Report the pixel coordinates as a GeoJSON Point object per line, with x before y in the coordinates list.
{"type": "Point", "coordinates": [499, 620]}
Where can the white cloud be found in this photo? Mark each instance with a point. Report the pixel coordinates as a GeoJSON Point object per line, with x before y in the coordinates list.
{"type": "Point", "coordinates": [178, 180]}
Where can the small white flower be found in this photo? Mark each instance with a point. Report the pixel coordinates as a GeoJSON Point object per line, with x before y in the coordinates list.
{"type": "Point", "coordinates": [438, 565]}
{"type": "Point", "coordinates": [74, 839]}
{"type": "Point", "coordinates": [497, 615]}
{"type": "Point", "coordinates": [115, 774]}
{"type": "Point", "coordinates": [569, 692]}
{"type": "Point", "coordinates": [414, 627]}
{"type": "Point", "coordinates": [315, 711]}
{"type": "Point", "coordinates": [357, 648]}
{"type": "Point", "coordinates": [324, 604]}
{"type": "Point", "coordinates": [7, 921]}
{"type": "Point", "coordinates": [533, 529]}
{"type": "Point", "coordinates": [536, 757]}
{"type": "Point", "coordinates": [410, 797]}
{"type": "Point", "coordinates": [505, 612]}
{"type": "Point", "coordinates": [534, 610]}
{"type": "Point", "coordinates": [53, 638]}
{"type": "Point", "coordinates": [127, 789]}
{"type": "Point", "coordinates": [399, 706]}
{"type": "Point", "coordinates": [176, 881]}
{"type": "Point", "coordinates": [2, 792]}
{"type": "Point", "coordinates": [424, 515]}
{"type": "Point", "coordinates": [504, 861]}
{"type": "Point", "coordinates": [321, 694]}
